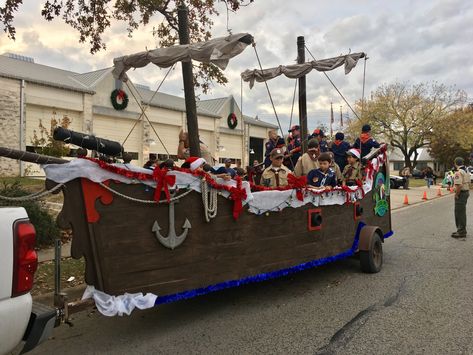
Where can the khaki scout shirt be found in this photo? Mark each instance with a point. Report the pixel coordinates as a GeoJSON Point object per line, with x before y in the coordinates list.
{"type": "Point", "coordinates": [305, 164]}
{"type": "Point", "coordinates": [276, 176]}
{"type": "Point", "coordinates": [462, 178]}
{"type": "Point", "coordinates": [352, 172]}
{"type": "Point", "coordinates": [337, 171]}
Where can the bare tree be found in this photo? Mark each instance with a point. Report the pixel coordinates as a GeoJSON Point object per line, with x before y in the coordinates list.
{"type": "Point", "coordinates": [405, 115]}
{"type": "Point", "coordinates": [91, 19]}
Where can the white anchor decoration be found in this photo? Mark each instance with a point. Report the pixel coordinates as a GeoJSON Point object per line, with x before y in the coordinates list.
{"type": "Point", "coordinates": [172, 240]}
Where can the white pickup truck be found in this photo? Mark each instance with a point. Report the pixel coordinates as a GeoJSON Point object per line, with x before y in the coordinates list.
{"type": "Point", "coordinates": [20, 318]}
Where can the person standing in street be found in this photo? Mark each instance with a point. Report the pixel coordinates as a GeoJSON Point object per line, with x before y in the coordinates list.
{"type": "Point", "coordinates": [461, 181]}
{"type": "Point", "coordinates": [429, 177]}
{"type": "Point", "coordinates": [406, 173]}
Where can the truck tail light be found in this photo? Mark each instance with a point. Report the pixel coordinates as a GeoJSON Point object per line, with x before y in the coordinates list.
{"type": "Point", "coordinates": [25, 259]}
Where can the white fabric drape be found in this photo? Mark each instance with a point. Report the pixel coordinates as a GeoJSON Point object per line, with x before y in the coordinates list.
{"type": "Point", "coordinates": [217, 51]}
{"type": "Point", "coordinates": [124, 304]}
{"type": "Point", "coordinates": [298, 70]}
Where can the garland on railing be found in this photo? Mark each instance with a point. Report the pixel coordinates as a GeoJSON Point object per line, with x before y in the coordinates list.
{"type": "Point", "coordinates": [237, 193]}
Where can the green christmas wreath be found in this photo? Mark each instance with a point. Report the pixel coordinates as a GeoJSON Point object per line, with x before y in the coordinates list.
{"type": "Point", "coordinates": [117, 95]}
{"type": "Point", "coordinates": [232, 121]}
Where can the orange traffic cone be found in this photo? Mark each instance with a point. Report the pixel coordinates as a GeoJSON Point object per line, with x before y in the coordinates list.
{"type": "Point", "coordinates": [425, 195]}
{"type": "Point", "coordinates": [406, 200]}
{"type": "Point", "coordinates": [439, 192]}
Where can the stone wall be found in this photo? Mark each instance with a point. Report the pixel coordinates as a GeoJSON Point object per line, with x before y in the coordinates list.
{"type": "Point", "coordinates": [9, 123]}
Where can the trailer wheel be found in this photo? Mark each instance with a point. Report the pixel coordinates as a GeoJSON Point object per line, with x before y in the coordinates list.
{"type": "Point", "coordinates": [371, 260]}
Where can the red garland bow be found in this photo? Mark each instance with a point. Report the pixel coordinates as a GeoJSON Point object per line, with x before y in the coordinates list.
{"type": "Point", "coordinates": [369, 170]}
{"type": "Point", "coordinates": [298, 183]}
{"type": "Point", "coordinates": [163, 181]}
{"type": "Point", "coordinates": [238, 195]}
{"type": "Point", "coordinates": [121, 94]}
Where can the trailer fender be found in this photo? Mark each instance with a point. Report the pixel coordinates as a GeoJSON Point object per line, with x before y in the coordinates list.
{"type": "Point", "coordinates": [366, 235]}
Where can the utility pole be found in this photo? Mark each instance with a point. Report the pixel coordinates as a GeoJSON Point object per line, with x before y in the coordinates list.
{"type": "Point", "coordinates": [189, 94]}
{"type": "Point", "coordinates": [302, 94]}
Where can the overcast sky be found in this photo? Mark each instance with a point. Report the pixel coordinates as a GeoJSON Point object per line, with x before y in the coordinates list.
{"type": "Point", "coordinates": [405, 40]}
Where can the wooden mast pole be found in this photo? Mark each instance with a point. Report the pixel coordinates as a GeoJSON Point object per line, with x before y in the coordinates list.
{"type": "Point", "coordinates": [302, 94]}
{"type": "Point", "coordinates": [191, 110]}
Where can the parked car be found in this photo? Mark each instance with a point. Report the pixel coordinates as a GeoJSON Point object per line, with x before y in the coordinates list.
{"type": "Point", "coordinates": [470, 170]}
{"type": "Point", "coordinates": [20, 318]}
{"type": "Point", "coordinates": [397, 182]}
{"type": "Point", "coordinates": [417, 174]}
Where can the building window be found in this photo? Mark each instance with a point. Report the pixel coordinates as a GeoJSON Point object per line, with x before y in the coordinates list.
{"type": "Point", "coordinates": [421, 165]}
{"type": "Point", "coordinates": [398, 165]}
{"type": "Point", "coordinates": [163, 157]}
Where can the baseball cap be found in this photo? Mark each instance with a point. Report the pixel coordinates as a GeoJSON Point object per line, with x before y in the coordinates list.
{"type": "Point", "coordinates": [276, 153]}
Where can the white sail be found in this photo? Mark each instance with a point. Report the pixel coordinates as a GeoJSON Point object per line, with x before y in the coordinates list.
{"type": "Point", "coordinates": [217, 51]}
{"type": "Point", "coordinates": [298, 70]}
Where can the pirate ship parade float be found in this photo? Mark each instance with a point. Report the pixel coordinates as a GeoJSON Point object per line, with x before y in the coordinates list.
{"type": "Point", "coordinates": [179, 233]}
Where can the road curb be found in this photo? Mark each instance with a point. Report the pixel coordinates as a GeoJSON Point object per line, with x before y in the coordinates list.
{"type": "Point", "coordinates": [415, 204]}
{"type": "Point", "coordinates": [73, 294]}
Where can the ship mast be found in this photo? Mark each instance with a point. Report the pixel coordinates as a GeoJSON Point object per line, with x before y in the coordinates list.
{"type": "Point", "coordinates": [188, 78]}
{"type": "Point", "coordinates": [302, 94]}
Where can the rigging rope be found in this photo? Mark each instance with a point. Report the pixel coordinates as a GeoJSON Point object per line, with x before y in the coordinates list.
{"type": "Point", "coordinates": [146, 116]}
{"type": "Point", "coordinates": [272, 102]}
{"type": "Point", "coordinates": [149, 104]}
{"type": "Point", "coordinates": [32, 197]}
{"type": "Point", "coordinates": [150, 202]}
{"type": "Point", "coordinates": [293, 100]}
{"type": "Point", "coordinates": [209, 199]}
{"type": "Point", "coordinates": [331, 82]}
{"type": "Point", "coordinates": [363, 92]}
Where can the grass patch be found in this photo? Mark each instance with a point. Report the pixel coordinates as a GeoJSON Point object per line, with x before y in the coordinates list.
{"type": "Point", "coordinates": [417, 182]}
{"type": "Point", "coordinates": [23, 181]}
{"type": "Point", "coordinates": [44, 276]}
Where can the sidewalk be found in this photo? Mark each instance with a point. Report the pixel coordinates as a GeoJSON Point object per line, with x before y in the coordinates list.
{"type": "Point", "coordinates": [48, 254]}
{"type": "Point", "coordinates": [415, 194]}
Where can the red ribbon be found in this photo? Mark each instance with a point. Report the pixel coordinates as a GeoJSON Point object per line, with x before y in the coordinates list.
{"type": "Point", "coordinates": [163, 181]}
{"type": "Point", "coordinates": [298, 183]}
{"type": "Point", "coordinates": [121, 94]}
{"type": "Point", "coordinates": [238, 195]}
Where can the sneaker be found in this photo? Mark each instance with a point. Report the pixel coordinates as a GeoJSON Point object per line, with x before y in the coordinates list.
{"type": "Point", "coordinates": [458, 235]}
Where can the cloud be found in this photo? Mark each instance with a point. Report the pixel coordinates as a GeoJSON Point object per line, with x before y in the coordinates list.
{"type": "Point", "coordinates": [405, 41]}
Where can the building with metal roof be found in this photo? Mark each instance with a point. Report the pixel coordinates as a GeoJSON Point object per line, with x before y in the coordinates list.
{"type": "Point", "coordinates": [32, 94]}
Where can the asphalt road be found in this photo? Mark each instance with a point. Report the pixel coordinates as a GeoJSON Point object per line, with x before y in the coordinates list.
{"type": "Point", "coordinates": [421, 302]}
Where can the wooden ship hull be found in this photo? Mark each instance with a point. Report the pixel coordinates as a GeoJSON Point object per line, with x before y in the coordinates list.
{"type": "Point", "coordinates": [123, 253]}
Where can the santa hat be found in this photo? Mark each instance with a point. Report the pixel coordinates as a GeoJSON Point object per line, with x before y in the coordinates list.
{"type": "Point", "coordinates": [195, 162]}
{"type": "Point", "coordinates": [355, 152]}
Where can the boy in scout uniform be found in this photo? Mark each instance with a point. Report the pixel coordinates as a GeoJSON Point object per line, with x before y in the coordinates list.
{"type": "Point", "coordinates": [461, 181]}
{"type": "Point", "coordinates": [352, 171]}
{"type": "Point", "coordinates": [308, 161]}
{"type": "Point", "coordinates": [275, 175]}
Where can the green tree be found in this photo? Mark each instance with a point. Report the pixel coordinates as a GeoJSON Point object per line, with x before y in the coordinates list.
{"type": "Point", "coordinates": [92, 18]}
{"type": "Point", "coordinates": [453, 136]}
{"type": "Point", "coordinates": [405, 115]}
{"type": "Point", "coordinates": [44, 142]}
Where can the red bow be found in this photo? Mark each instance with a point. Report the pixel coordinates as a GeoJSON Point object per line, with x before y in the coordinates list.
{"type": "Point", "coordinates": [298, 183]}
{"type": "Point", "coordinates": [162, 182]}
{"type": "Point", "coordinates": [238, 195]}
{"type": "Point", "coordinates": [121, 94]}
{"type": "Point", "coordinates": [369, 170]}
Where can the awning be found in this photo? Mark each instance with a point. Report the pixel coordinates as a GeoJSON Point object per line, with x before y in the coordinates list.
{"type": "Point", "coordinates": [217, 51]}
{"type": "Point", "coordinates": [298, 70]}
